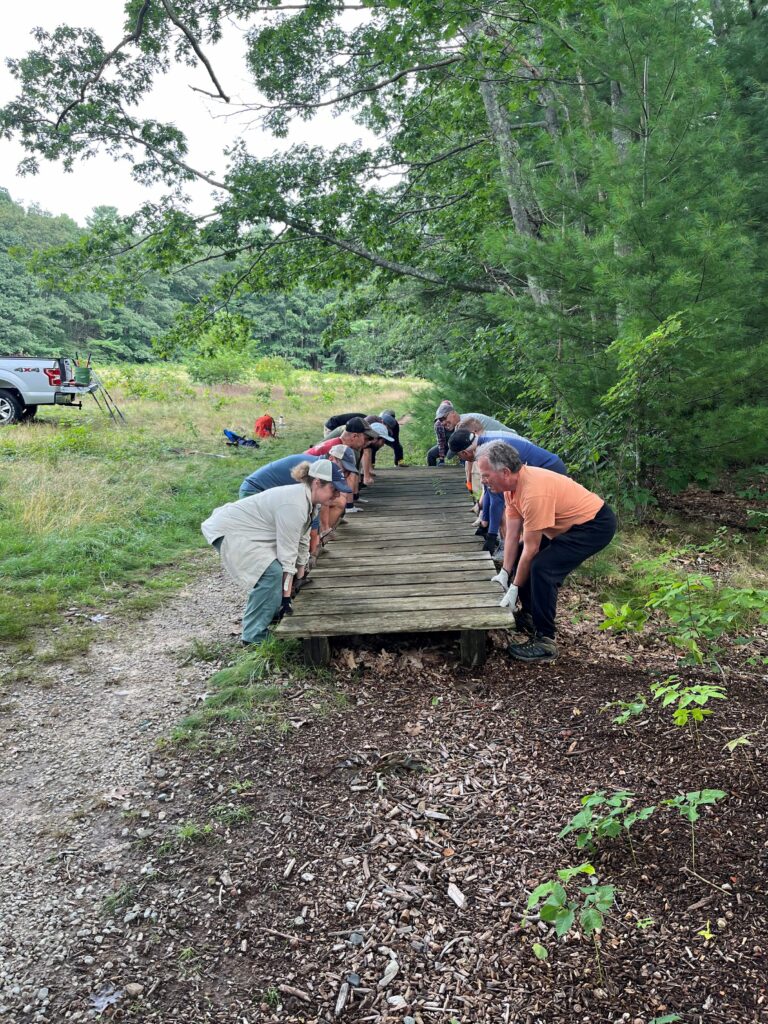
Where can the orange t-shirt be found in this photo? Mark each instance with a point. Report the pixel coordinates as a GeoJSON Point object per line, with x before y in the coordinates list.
{"type": "Point", "coordinates": [550, 502]}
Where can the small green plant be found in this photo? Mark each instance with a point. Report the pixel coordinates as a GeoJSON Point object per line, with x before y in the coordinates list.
{"type": "Point", "coordinates": [706, 932]}
{"type": "Point", "coordinates": [207, 651]}
{"type": "Point", "coordinates": [191, 832]}
{"type": "Point", "coordinates": [689, 701]}
{"type": "Point", "coordinates": [588, 904]}
{"type": "Point", "coordinates": [688, 807]}
{"type": "Point", "coordinates": [271, 997]}
{"type": "Point", "coordinates": [627, 709]}
{"type": "Point", "coordinates": [229, 815]}
{"type": "Point", "coordinates": [242, 786]}
{"type": "Point", "coordinates": [668, 1018]}
{"type": "Point", "coordinates": [624, 619]}
{"type": "Point", "coordinates": [117, 900]}
{"type": "Point", "coordinates": [606, 817]}
{"type": "Point", "coordinates": [643, 923]}
{"type": "Point", "coordinates": [740, 741]}
{"type": "Point", "coordinates": [189, 963]}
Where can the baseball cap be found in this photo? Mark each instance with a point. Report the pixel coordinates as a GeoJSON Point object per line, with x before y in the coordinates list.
{"type": "Point", "coordinates": [443, 409]}
{"type": "Point", "coordinates": [379, 430]}
{"type": "Point", "coordinates": [460, 440]}
{"type": "Point", "coordinates": [346, 457]}
{"type": "Point", "coordinates": [329, 474]}
{"type": "Point", "coordinates": [357, 426]}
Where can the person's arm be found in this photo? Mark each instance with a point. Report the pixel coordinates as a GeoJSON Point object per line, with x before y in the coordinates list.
{"type": "Point", "coordinates": [531, 545]}
{"type": "Point", "coordinates": [289, 528]}
{"type": "Point", "coordinates": [367, 467]}
{"type": "Point", "coordinates": [514, 530]}
{"type": "Point", "coordinates": [303, 556]}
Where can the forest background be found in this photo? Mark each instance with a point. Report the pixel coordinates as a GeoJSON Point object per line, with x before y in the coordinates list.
{"type": "Point", "coordinates": [562, 218]}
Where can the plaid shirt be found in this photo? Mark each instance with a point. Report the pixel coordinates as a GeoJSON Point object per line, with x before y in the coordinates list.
{"type": "Point", "coordinates": [442, 439]}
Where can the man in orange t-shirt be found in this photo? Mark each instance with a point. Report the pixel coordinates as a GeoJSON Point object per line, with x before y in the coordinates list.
{"type": "Point", "coordinates": [560, 524]}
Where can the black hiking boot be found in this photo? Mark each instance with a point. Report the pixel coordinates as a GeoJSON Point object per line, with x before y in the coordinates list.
{"type": "Point", "coordinates": [538, 648]}
{"type": "Point", "coordinates": [491, 542]}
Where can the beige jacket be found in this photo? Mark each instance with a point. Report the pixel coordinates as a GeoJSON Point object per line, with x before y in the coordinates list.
{"type": "Point", "coordinates": [261, 528]}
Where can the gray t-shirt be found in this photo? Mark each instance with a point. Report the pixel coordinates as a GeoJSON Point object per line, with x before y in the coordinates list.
{"type": "Point", "coordinates": [490, 425]}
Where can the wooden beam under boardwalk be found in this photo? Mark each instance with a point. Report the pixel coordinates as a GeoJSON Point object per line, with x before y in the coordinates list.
{"type": "Point", "coordinates": [409, 563]}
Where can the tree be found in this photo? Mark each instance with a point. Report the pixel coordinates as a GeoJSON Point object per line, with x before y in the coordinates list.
{"type": "Point", "coordinates": [575, 173]}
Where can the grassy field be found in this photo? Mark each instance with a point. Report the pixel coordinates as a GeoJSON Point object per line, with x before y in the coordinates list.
{"type": "Point", "coordinates": [96, 517]}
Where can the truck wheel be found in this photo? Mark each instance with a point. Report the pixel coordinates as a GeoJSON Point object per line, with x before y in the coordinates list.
{"type": "Point", "coordinates": [28, 413]}
{"type": "Point", "coordinates": [11, 408]}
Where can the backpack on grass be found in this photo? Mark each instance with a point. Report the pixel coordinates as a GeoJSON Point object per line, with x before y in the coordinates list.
{"type": "Point", "coordinates": [238, 441]}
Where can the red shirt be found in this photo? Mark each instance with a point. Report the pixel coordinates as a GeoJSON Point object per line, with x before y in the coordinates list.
{"type": "Point", "coordinates": [324, 447]}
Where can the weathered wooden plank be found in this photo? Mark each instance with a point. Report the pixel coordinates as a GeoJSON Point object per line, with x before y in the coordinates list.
{"type": "Point", "coordinates": [316, 604]}
{"type": "Point", "coordinates": [426, 621]}
{"type": "Point", "coordinates": [389, 562]}
{"type": "Point", "coordinates": [374, 561]}
{"type": "Point", "coordinates": [392, 590]}
{"type": "Point", "coordinates": [406, 544]}
{"type": "Point", "coordinates": [418, 518]}
{"type": "Point", "coordinates": [413, 577]}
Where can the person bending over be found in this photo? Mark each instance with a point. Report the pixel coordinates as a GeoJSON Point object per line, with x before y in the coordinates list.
{"type": "Point", "coordinates": [468, 446]}
{"type": "Point", "coordinates": [263, 541]}
{"type": "Point", "coordinates": [560, 524]}
{"type": "Point", "coordinates": [279, 474]}
{"type": "Point", "coordinates": [392, 424]}
{"type": "Point", "coordinates": [436, 455]}
{"type": "Point", "coordinates": [340, 420]}
{"type": "Point", "coordinates": [477, 422]}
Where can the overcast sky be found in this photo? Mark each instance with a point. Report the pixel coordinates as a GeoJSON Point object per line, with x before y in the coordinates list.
{"type": "Point", "coordinates": [105, 182]}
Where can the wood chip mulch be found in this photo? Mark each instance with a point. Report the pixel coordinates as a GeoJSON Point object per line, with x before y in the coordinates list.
{"type": "Point", "coordinates": [373, 863]}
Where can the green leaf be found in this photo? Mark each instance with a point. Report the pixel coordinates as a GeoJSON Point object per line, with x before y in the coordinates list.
{"type": "Point", "coordinates": [539, 951]}
{"type": "Point", "coordinates": [591, 920]}
{"type": "Point", "coordinates": [564, 921]}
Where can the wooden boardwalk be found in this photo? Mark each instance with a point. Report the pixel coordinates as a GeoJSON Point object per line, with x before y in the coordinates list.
{"type": "Point", "coordinates": [410, 563]}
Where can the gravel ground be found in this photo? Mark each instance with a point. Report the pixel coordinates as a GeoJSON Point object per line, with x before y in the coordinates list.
{"type": "Point", "coordinates": [79, 739]}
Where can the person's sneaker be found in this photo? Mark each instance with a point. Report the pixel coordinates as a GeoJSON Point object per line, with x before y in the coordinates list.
{"type": "Point", "coordinates": [524, 622]}
{"type": "Point", "coordinates": [350, 509]}
{"type": "Point", "coordinates": [491, 542]}
{"type": "Point", "coordinates": [481, 531]}
{"type": "Point", "coordinates": [538, 648]}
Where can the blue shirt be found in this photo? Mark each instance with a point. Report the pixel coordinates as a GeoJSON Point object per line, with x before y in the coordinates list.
{"type": "Point", "coordinates": [530, 453]}
{"type": "Point", "coordinates": [274, 474]}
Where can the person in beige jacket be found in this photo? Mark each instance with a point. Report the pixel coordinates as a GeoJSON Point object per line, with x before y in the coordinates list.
{"type": "Point", "coordinates": [263, 541]}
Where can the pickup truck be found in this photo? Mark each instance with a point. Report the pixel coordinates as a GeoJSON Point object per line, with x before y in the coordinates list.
{"type": "Point", "coordinates": [26, 383]}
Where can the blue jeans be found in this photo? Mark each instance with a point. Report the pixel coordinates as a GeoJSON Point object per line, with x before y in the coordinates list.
{"type": "Point", "coordinates": [492, 511]}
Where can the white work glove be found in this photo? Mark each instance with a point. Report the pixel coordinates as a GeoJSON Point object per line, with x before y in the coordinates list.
{"type": "Point", "coordinates": [510, 598]}
{"type": "Point", "coordinates": [502, 578]}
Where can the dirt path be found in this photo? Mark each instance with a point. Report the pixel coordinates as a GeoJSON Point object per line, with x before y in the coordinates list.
{"type": "Point", "coordinates": [80, 739]}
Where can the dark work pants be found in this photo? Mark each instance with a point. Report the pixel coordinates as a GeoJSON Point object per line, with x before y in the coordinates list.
{"type": "Point", "coordinates": [555, 559]}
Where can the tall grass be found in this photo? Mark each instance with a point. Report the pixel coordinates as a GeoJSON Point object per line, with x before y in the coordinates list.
{"type": "Point", "coordinates": [94, 515]}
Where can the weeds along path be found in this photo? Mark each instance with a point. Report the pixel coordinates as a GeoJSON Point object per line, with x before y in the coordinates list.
{"type": "Point", "coordinates": [80, 739]}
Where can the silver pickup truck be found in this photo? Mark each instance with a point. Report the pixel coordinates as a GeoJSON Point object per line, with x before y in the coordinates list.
{"type": "Point", "coordinates": [26, 383]}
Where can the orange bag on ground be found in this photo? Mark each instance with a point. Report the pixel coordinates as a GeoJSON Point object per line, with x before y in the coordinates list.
{"type": "Point", "coordinates": [264, 426]}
